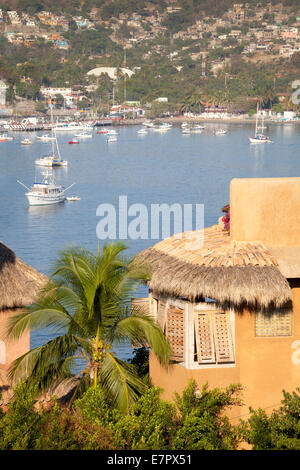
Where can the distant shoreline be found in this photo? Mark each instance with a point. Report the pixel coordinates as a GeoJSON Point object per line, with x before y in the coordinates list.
{"type": "Point", "coordinates": [180, 120]}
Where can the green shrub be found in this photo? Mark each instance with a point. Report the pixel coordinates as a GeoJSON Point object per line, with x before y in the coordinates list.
{"type": "Point", "coordinates": [280, 430]}
{"type": "Point", "coordinates": [203, 425]}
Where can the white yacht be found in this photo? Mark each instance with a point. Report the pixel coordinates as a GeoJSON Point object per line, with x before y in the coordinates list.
{"type": "Point", "coordinates": [161, 128]}
{"type": "Point", "coordinates": [5, 137]}
{"type": "Point", "coordinates": [83, 135]}
{"type": "Point", "coordinates": [45, 137]}
{"type": "Point", "coordinates": [53, 159]}
{"type": "Point", "coordinates": [111, 132]}
{"type": "Point", "coordinates": [148, 123]}
{"type": "Point", "coordinates": [26, 141]}
{"type": "Point", "coordinates": [45, 193]}
{"type": "Point", "coordinates": [142, 131]}
{"type": "Point", "coordinates": [111, 139]}
{"type": "Point", "coordinates": [72, 126]}
{"type": "Point", "coordinates": [259, 136]}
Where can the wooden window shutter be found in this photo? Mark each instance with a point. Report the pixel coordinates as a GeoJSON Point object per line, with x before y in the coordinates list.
{"type": "Point", "coordinates": [222, 337]}
{"type": "Point", "coordinates": [175, 332]}
{"type": "Point", "coordinates": [273, 324]}
{"type": "Point", "coordinates": [204, 338]}
{"type": "Point", "coordinates": [140, 305]}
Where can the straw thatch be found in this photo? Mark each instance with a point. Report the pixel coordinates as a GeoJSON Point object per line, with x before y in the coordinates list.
{"type": "Point", "coordinates": [19, 282]}
{"type": "Point", "coordinates": [230, 272]}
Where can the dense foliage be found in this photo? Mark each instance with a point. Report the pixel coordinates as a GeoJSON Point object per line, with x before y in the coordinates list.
{"type": "Point", "coordinates": [195, 421]}
{"type": "Point", "coordinates": [280, 430]}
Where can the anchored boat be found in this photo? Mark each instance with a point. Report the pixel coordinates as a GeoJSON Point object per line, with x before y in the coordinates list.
{"type": "Point", "coordinates": [45, 192]}
{"type": "Point", "coordinates": [52, 159]}
{"type": "Point", "coordinates": [259, 136]}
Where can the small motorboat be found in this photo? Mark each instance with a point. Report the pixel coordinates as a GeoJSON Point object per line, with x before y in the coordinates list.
{"type": "Point", "coordinates": [73, 198]}
{"type": "Point", "coordinates": [45, 137]}
{"type": "Point", "coordinates": [102, 131]}
{"type": "Point", "coordinates": [142, 131]}
{"type": "Point", "coordinates": [73, 142]}
{"type": "Point", "coordinates": [83, 135]}
{"type": "Point", "coordinates": [111, 139]}
{"type": "Point", "coordinates": [111, 132]}
{"type": "Point", "coordinates": [26, 141]}
{"type": "Point", "coordinates": [5, 138]}
{"type": "Point", "coordinates": [221, 132]}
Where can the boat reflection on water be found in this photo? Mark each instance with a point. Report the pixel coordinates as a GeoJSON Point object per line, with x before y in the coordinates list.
{"type": "Point", "coordinates": [44, 210]}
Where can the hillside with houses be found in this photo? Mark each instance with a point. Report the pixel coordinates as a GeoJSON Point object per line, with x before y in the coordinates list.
{"type": "Point", "coordinates": [182, 55]}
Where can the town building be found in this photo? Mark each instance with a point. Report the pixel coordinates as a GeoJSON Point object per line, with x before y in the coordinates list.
{"type": "Point", "coordinates": [229, 304]}
{"type": "Point", "coordinates": [3, 89]}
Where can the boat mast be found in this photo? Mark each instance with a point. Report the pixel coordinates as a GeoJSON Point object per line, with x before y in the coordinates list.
{"type": "Point", "coordinates": [52, 135]}
{"type": "Point", "coordinates": [256, 123]}
{"type": "Point", "coordinates": [58, 152]}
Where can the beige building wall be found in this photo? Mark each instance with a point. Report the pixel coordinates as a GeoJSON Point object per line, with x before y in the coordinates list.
{"type": "Point", "coordinates": [265, 209]}
{"type": "Point", "coordinates": [11, 349]}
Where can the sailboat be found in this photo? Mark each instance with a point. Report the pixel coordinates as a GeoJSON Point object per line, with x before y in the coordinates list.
{"type": "Point", "coordinates": [259, 136]}
{"type": "Point", "coordinates": [52, 159]}
{"type": "Point", "coordinates": [45, 192]}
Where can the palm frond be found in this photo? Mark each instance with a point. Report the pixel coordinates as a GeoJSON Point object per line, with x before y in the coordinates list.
{"type": "Point", "coordinates": [50, 310]}
{"type": "Point", "coordinates": [120, 382]}
{"type": "Point", "coordinates": [45, 364]}
{"type": "Point", "coordinates": [141, 329]}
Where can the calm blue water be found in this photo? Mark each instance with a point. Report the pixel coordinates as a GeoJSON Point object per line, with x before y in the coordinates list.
{"type": "Point", "coordinates": [155, 168]}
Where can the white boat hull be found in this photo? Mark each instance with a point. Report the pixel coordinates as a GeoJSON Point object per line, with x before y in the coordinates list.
{"type": "Point", "coordinates": [39, 200]}
{"type": "Point", "coordinates": [50, 162]}
{"type": "Point", "coordinates": [259, 141]}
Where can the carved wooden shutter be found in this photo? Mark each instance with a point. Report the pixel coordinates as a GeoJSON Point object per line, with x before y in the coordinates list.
{"type": "Point", "coordinates": [175, 332]}
{"type": "Point", "coordinates": [140, 305]}
{"type": "Point", "coordinates": [223, 337]}
{"type": "Point", "coordinates": [204, 338]}
{"type": "Point", "coordinates": [213, 337]}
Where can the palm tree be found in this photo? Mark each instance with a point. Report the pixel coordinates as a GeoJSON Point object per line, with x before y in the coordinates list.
{"type": "Point", "coordinates": [87, 303]}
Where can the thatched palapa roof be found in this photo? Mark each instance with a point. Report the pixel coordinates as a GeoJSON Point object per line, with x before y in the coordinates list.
{"type": "Point", "coordinates": [230, 272]}
{"type": "Point", "coordinates": [19, 282]}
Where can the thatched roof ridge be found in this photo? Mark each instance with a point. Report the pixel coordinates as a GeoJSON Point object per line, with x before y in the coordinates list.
{"type": "Point", "coordinates": [19, 282]}
{"type": "Point", "coordinates": [230, 272]}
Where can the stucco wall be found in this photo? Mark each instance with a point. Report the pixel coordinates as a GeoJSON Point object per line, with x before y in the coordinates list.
{"type": "Point", "coordinates": [14, 348]}
{"type": "Point", "coordinates": [266, 209]}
